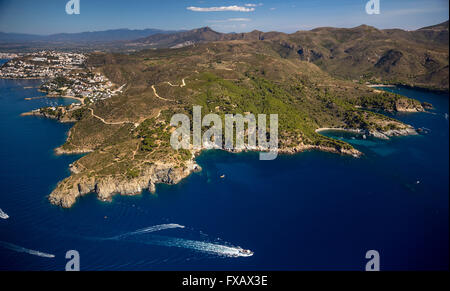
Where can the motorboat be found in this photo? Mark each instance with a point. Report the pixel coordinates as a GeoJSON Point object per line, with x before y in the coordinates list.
{"type": "Point", "coordinates": [3, 215]}
{"type": "Point", "coordinates": [245, 253]}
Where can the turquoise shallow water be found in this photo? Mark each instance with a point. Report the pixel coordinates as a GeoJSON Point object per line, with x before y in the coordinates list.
{"type": "Point", "coordinates": [312, 211]}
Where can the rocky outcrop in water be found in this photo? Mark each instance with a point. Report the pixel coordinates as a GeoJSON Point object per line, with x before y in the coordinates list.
{"type": "Point", "coordinates": [408, 105]}
{"type": "Point", "coordinates": [393, 132]}
{"type": "Point", "coordinates": [68, 191]}
{"type": "Point", "coordinates": [302, 147]}
{"type": "Point", "coordinates": [407, 130]}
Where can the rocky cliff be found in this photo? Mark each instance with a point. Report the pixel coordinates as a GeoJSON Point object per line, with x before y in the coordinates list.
{"type": "Point", "coordinates": [68, 191]}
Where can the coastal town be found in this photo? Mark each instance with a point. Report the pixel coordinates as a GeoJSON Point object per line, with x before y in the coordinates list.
{"type": "Point", "coordinates": [8, 56]}
{"type": "Point", "coordinates": [41, 65]}
{"type": "Point", "coordinates": [88, 86]}
{"type": "Point", "coordinates": [65, 75]}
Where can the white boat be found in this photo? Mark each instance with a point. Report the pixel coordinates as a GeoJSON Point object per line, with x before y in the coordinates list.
{"type": "Point", "coordinates": [3, 215]}
{"type": "Point", "coordinates": [245, 253]}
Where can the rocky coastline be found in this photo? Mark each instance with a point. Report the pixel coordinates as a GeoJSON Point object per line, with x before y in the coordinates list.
{"type": "Point", "coordinates": [77, 185]}
{"type": "Point", "coordinates": [409, 130]}
{"type": "Point", "coordinates": [165, 171]}
{"type": "Point", "coordinates": [68, 191]}
{"type": "Point", "coordinates": [80, 184]}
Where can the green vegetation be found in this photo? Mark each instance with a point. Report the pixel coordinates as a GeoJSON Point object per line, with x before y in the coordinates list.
{"type": "Point", "coordinates": [148, 144]}
{"type": "Point", "coordinates": [51, 112]}
{"type": "Point", "coordinates": [79, 114]}
{"type": "Point", "coordinates": [133, 132]}
{"type": "Point", "coordinates": [61, 81]}
{"type": "Point", "coordinates": [132, 173]}
{"type": "Point", "coordinates": [185, 154]}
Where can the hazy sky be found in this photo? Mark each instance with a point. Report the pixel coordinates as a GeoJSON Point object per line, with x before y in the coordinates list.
{"type": "Point", "coordinates": [49, 16]}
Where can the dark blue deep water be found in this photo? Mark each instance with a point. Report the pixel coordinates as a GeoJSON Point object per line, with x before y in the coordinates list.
{"type": "Point", "coordinates": [311, 211]}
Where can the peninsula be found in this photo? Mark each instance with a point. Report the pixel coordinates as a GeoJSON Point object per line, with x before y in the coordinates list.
{"type": "Point", "coordinates": [124, 126]}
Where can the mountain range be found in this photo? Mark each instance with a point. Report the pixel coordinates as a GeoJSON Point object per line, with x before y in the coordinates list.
{"type": "Point", "coordinates": [364, 53]}
{"type": "Point", "coordinates": [94, 36]}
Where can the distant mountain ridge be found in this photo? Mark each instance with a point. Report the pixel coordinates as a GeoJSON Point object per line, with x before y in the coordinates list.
{"type": "Point", "coordinates": [204, 34]}
{"type": "Point", "coordinates": [94, 36]}
{"type": "Point", "coordinates": [437, 33]}
{"type": "Point", "coordinates": [443, 25]}
{"type": "Point", "coordinates": [363, 53]}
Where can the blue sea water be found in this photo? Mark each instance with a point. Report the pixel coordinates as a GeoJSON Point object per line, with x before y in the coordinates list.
{"type": "Point", "coordinates": [311, 211]}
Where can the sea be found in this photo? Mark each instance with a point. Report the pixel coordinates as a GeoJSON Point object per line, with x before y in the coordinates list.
{"type": "Point", "coordinates": [309, 211]}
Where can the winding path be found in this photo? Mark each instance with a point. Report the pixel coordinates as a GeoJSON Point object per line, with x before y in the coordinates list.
{"type": "Point", "coordinates": [137, 124]}
{"type": "Point", "coordinates": [181, 86]}
{"type": "Point", "coordinates": [110, 123]}
{"type": "Point", "coordinates": [156, 94]}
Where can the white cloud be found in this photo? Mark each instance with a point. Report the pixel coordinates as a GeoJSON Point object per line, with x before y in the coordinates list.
{"type": "Point", "coordinates": [234, 8]}
{"type": "Point", "coordinates": [253, 5]}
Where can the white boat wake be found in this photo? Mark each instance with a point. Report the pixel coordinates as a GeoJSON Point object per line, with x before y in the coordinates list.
{"type": "Point", "coordinates": [206, 247]}
{"type": "Point", "coordinates": [20, 249]}
{"type": "Point", "coordinates": [3, 215]}
{"type": "Point", "coordinates": [149, 230]}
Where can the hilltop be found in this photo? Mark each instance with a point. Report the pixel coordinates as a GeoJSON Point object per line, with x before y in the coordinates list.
{"type": "Point", "coordinates": [414, 58]}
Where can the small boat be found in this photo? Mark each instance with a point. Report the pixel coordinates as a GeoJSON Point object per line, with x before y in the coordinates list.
{"type": "Point", "coordinates": [3, 215]}
{"type": "Point", "coordinates": [245, 253]}
{"type": "Point", "coordinates": [222, 177]}
{"type": "Point", "coordinates": [423, 130]}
